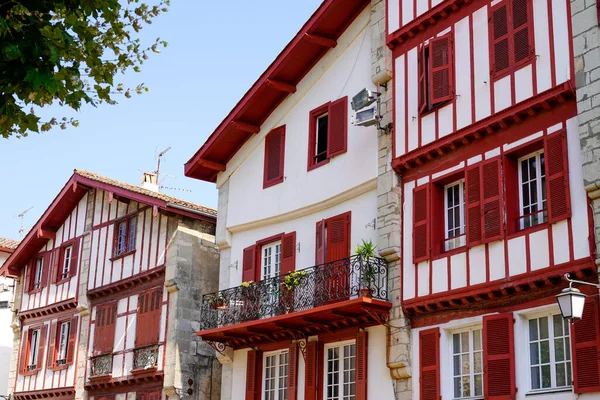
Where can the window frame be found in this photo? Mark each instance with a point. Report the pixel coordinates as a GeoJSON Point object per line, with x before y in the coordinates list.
{"type": "Point", "coordinates": [130, 247]}
{"type": "Point", "coordinates": [27, 368]}
{"type": "Point", "coordinates": [39, 262]}
{"type": "Point", "coordinates": [278, 353]}
{"type": "Point", "coordinates": [315, 114]}
{"type": "Point", "coordinates": [280, 176]}
{"type": "Point", "coordinates": [462, 218]}
{"type": "Point", "coordinates": [541, 182]}
{"type": "Point", "coordinates": [65, 268]}
{"type": "Point", "coordinates": [58, 339]}
{"type": "Point", "coordinates": [470, 330]}
{"type": "Point", "coordinates": [340, 345]}
{"type": "Point", "coordinates": [424, 56]}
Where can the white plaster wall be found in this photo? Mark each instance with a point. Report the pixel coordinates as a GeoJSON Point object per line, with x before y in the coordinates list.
{"type": "Point", "coordinates": [6, 332]}
{"type": "Point", "coordinates": [343, 71]}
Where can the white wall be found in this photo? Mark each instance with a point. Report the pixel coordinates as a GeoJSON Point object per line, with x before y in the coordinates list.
{"type": "Point", "coordinates": [6, 332]}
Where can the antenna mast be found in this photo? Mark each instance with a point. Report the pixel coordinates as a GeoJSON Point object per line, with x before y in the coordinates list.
{"type": "Point", "coordinates": [22, 217]}
{"type": "Point", "coordinates": [162, 153]}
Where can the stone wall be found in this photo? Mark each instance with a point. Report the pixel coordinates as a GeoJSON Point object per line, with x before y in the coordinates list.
{"type": "Point", "coordinates": [192, 269]}
{"type": "Point", "coordinates": [389, 208]}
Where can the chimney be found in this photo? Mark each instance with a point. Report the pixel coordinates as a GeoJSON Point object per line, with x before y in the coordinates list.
{"type": "Point", "coordinates": [150, 181]}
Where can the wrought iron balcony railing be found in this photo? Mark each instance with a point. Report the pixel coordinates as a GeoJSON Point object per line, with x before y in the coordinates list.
{"type": "Point", "coordinates": [101, 365]}
{"type": "Point", "coordinates": [305, 289]}
{"type": "Point", "coordinates": [145, 357]}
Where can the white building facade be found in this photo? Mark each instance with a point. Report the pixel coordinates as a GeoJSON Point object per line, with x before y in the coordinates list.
{"type": "Point", "coordinates": [7, 246]}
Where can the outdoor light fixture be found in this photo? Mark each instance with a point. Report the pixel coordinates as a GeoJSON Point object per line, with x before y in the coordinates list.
{"type": "Point", "coordinates": [363, 99]}
{"type": "Point", "coordinates": [571, 301]}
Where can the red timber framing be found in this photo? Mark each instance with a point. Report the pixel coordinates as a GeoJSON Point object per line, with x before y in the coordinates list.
{"type": "Point", "coordinates": [53, 309]}
{"type": "Point", "coordinates": [315, 38]}
{"type": "Point", "coordinates": [152, 380]}
{"type": "Point", "coordinates": [135, 283]}
{"type": "Point", "coordinates": [512, 117]}
{"type": "Point", "coordinates": [54, 394]}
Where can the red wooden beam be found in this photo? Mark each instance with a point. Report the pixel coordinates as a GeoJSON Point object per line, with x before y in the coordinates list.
{"type": "Point", "coordinates": [281, 86]}
{"type": "Point", "coordinates": [46, 234]}
{"type": "Point", "coordinates": [212, 165]}
{"type": "Point", "coordinates": [320, 40]}
{"type": "Point", "coordinates": [242, 126]}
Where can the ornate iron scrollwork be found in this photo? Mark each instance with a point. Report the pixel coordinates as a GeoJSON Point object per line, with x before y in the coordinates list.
{"type": "Point", "coordinates": [101, 365]}
{"type": "Point", "coordinates": [145, 357]}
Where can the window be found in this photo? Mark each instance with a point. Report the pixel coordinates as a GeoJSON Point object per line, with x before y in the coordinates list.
{"type": "Point", "coordinates": [275, 376]}
{"type": "Point", "coordinates": [271, 260]}
{"type": "Point", "coordinates": [37, 274]}
{"type": "Point", "coordinates": [511, 39]}
{"type": "Point", "coordinates": [549, 352]}
{"type": "Point", "coordinates": [532, 193]}
{"type": "Point", "coordinates": [467, 360]}
{"type": "Point", "coordinates": [148, 317]}
{"type": "Point", "coordinates": [34, 344]}
{"type": "Point", "coordinates": [124, 241]}
{"type": "Point", "coordinates": [454, 206]}
{"type": "Point", "coordinates": [104, 328]}
{"type": "Point", "coordinates": [436, 82]}
{"type": "Point", "coordinates": [328, 132]}
{"type": "Point", "coordinates": [66, 265]}
{"type": "Point", "coordinates": [63, 343]}
{"type": "Point", "coordinates": [274, 157]}
{"type": "Point", "coordinates": [340, 372]}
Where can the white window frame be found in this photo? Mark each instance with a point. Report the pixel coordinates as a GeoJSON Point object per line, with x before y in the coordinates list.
{"type": "Point", "coordinates": [67, 257]}
{"type": "Point", "coordinates": [471, 353]}
{"type": "Point", "coordinates": [274, 257]}
{"type": "Point", "coordinates": [63, 342]}
{"type": "Point", "coordinates": [279, 392]}
{"type": "Point", "coordinates": [539, 191]}
{"type": "Point", "coordinates": [34, 346]}
{"type": "Point", "coordinates": [461, 239]}
{"type": "Point", "coordinates": [39, 268]}
{"type": "Point", "coordinates": [315, 155]}
{"type": "Point", "coordinates": [551, 338]}
{"type": "Point", "coordinates": [341, 383]}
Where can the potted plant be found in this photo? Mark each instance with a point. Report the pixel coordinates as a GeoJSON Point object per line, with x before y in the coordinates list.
{"type": "Point", "coordinates": [366, 251]}
{"type": "Point", "coordinates": [290, 283]}
{"type": "Point", "coordinates": [217, 302]}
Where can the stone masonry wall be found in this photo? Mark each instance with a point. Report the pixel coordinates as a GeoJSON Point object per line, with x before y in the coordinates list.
{"type": "Point", "coordinates": [586, 46]}
{"type": "Point", "coordinates": [192, 269]}
{"type": "Point", "coordinates": [389, 208]}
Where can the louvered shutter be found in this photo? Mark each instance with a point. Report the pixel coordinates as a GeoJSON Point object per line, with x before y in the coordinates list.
{"type": "Point", "coordinates": [74, 258]}
{"type": "Point", "coordinates": [55, 264]}
{"type": "Point", "coordinates": [148, 318]}
{"type": "Point", "coordinates": [72, 340]}
{"type": "Point", "coordinates": [252, 374]}
{"type": "Point", "coordinates": [499, 39]}
{"type": "Point", "coordinates": [320, 243]}
{"type": "Point", "coordinates": [337, 238]}
{"type": "Point", "coordinates": [361, 365]}
{"type": "Point", "coordinates": [293, 372]}
{"type": "Point", "coordinates": [99, 329]}
{"type": "Point", "coordinates": [288, 253]}
{"type": "Point", "coordinates": [440, 72]}
{"type": "Point", "coordinates": [421, 223]}
{"type": "Point", "coordinates": [337, 136]}
{"type": "Point", "coordinates": [45, 269]}
{"type": "Point", "coordinates": [521, 30]}
{"type": "Point", "coordinates": [491, 182]}
{"type": "Point", "coordinates": [499, 357]}
{"type": "Point", "coordinates": [141, 327]}
{"type": "Point", "coordinates": [51, 344]}
{"type": "Point", "coordinates": [473, 205]}
{"type": "Point", "coordinates": [429, 364]}
{"type": "Point", "coordinates": [557, 177]}
{"type": "Point", "coordinates": [29, 276]}
{"type": "Point", "coordinates": [422, 83]}
{"type": "Point", "coordinates": [310, 375]}
{"type": "Point", "coordinates": [110, 319]}
{"type": "Point", "coordinates": [249, 267]}
{"type": "Point", "coordinates": [585, 335]}
{"type": "Point", "coordinates": [274, 155]}
{"type": "Point", "coordinates": [24, 350]}
{"type": "Point", "coordinates": [41, 347]}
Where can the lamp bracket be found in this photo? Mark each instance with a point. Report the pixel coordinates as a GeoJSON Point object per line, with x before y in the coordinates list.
{"type": "Point", "coordinates": [572, 281]}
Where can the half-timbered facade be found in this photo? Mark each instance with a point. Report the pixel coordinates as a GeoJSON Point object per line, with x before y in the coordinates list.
{"type": "Point", "coordinates": [107, 277]}
{"type": "Point", "coordinates": [486, 145]}
{"type": "Point", "coordinates": [298, 314]}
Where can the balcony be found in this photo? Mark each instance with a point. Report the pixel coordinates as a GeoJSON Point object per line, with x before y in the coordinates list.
{"type": "Point", "coordinates": [351, 292]}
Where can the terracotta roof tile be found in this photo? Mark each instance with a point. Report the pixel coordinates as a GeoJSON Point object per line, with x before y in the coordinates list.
{"type": "Point", "coordinates": [9, 243]}
{"type": "Point", "coordinates": [145, 192]}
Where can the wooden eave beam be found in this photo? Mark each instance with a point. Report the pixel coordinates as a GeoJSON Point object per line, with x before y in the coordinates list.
{"type": "Point", "coordinates": [46, 234]}
{"type": "Point", "coordinates": [320, 40]}
{"type": "Point", "coordinates": [245, 127]}
{"type": "Point", "coordinates": [215, 166]}
{"type": "Point", "coordinates": [281, 86]}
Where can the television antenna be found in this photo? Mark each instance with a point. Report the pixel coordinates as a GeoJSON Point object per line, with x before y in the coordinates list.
{"type": "Point", "coordinates": [160, 155]}
{"type": "Point", "coordinates": [21, 216]}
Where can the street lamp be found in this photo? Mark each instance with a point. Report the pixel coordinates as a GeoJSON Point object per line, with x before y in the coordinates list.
{"type": "Point", "coordinates": [571, 301]}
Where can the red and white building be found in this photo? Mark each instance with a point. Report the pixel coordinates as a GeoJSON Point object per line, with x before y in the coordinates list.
{"type": "Point", "coordinates": [102, 278]}
{"type": "Point", "coordinates": [486, 145]}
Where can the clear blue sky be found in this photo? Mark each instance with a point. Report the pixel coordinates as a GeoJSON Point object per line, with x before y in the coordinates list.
{"type": "Point", "coordinates": [217, 49]}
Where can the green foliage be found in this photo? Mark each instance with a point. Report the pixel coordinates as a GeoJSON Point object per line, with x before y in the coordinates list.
{"type": "Point", "coordinates": [68, 52]}
{"type": "Point", "coordinates": [366, 249]}
{"type": "Point", "coordinates": [294, 279]}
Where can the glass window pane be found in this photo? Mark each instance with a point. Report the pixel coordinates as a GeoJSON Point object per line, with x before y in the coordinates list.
{"type": "Point", "coordinates": [457, 387]}
{"type": "Point", "coordinates": [546, 376]}
{"type": "Point", "coordinates": [478, 385]}
{"type": "Point", "coordinates": [561, 376]}
{"type": "Point", "coordinates": [456, 365]}
{"type": "Point", "coordinates": [545, 351]}
{"type": "Point", "coordinates": [533, 330]}
{"type": "Point", "coordinates": [465, 342]}
{"type": "Point", "coordinates": [456, 343]}
{"type": "Point", "coordinates": [558, 325]}
{"type": "Point", "coordinates": [535, 377]}
{"type": "Point", "coordinates": [559, 350]}
{"type": "Point", "coordinates": [534, 356]}
{"type": "Point", "coordinates": [478, 365]}
{"type": "Point", "coordinates": [543, 328]}
{"type": "Point", "coordinates": [477, 340]}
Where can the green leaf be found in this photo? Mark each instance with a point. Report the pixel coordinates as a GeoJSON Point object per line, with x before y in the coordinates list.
{"type": "Point", "coordinates": [11, 51]}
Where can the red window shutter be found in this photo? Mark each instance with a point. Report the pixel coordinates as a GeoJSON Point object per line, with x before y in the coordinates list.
{"type": "Point", "coordinates": [253, 374]}
{"type": "Point", "coordinates": [310, 375]}
{"type": "Point", "coordinates": [51, 343]}
{"type": "Point", "coordinates": [148, 318]}
{"type": "Point", "coordinates": [45, 269]}
{"type": "Point", "coordinates": [421, 223]}
{"type": "Point", "coordinates": [249, 267]}
{"type": "Point", "coordinates": [74, 258]}
{"type": "Point", "coordinates": [429, 364]}
{"type": "Point", "coordinates": [99, 329]}
{"type": "Point", "coordinates": [361, 365]}
{"type": "Point", "coordinates": [441, 80]}
{"type": "Point", "coordinates": [109, 318]}
{"type": "Point", "coordinates": [585, 339]}
{"type": "Point", "coordinates": [499, 357]}
{"type": "Point", "coordinates": [422, 82]}
{"type": "Point", "coordinates": [29, 276]}
{"type": "Point", "coordinates": [141, 328]}
{"type": "Point", "coordinates": [557, 177]}
{"type": "Point", "coordinates": [499, 43]}
{"type": "Point", "coordinates": [72, 340]}
{"type": "Point", "coordinates": [473, 205]}
{"type": "Point", "coordinates": [491, 182]}
{"type": "Point", "coordinates": [288, 253]}
{"type": "Point", "coordinates": [337, 238]}
{"type": "Point", "coordinates": [274, 157]}
{"type": "Point", "coordinates": [521, 30]}
{"type": "Point", "coordinates": [337, 136]}
{"type": "Point", "coordinates": [293, 372]}
{"type": "Point", "coordinates": [41, 347]}
{"type": "Point", "coordinates": [55, 264]}
{"type": "Point", "coordinates": [320, 244]}
{"type": "Point", "coordinates": [24, 350]}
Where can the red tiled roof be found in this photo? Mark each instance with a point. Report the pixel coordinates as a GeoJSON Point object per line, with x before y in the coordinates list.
{"type": "Point", "coordinates": [8, 244]}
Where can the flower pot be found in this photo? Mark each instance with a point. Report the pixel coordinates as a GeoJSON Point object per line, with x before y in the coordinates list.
{"type": "Point", "coordinates": [218, 305]}
{"type": "Point", "coordinates": [366, 292]}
